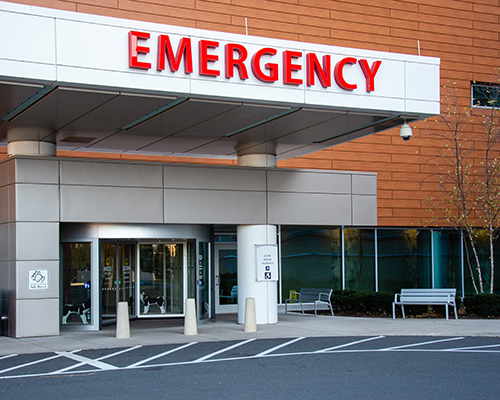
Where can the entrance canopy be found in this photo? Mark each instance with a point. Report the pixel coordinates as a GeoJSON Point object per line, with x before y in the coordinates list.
{"type": "Point", "coordinates": [100, 84]}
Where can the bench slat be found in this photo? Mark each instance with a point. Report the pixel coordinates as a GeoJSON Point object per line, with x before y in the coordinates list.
{"type": "Point", "coordinates": [436, 292]}
{"type": "Point", "coordinates": [444, 297]}
{"type": "Point", "coordinates": [312, 296]}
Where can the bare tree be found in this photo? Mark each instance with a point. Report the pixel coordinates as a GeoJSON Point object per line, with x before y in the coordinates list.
{"type": "Point", "coordinates": [489, 189]}
{"type": "Point", "coordinates": [467, 173]}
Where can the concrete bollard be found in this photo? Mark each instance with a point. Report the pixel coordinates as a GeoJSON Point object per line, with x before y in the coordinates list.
{"type": "Point", "coordinates": [122, 321]}
{"type": "Point", "coordinates": [190, 327]}
{"type": "Point", "coordinates": [250, 318]}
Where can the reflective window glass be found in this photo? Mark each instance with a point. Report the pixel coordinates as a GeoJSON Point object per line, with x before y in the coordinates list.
{"type": "Point", "coordinates": [359, 245]}
{"type": "Point", "coordinates": [404, 259]}
{"type": "Point", "coordinates": [310, 258]}
{"type": "Point", "coordinates": [483, 252]}
{"type": "Point", "coordinates": [225, 238]}
{"type": "Point", "coordinates": [203, 283]}
{"type": "Point", "coordinates": [486, 95]}
{"type": "Point", "coordinates": [161, 279]}
{"type": "Point", "coordinates": [228, 276]}
{"type": "Point", "coordinates": [191, 270]}
{"type": "Point", "coordinates": [76, 305]}
{"type": "Point", "coordinates": [447, 259]}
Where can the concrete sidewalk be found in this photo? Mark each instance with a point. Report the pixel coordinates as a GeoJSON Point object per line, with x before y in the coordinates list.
{"type": "Point", "coordinates": [226, 328]}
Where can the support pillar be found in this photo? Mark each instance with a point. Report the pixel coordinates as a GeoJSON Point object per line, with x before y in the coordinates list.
{"type": "Point", "coordinates": [28, 140]}
{"type": "Point", "coordinates": [264, 293]}
{"type": "Point", "coordinates": [29, 246]}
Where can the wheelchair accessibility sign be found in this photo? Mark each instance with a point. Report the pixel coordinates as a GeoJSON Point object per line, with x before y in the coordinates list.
{"type": "Point", "coordinates": [267, 262]}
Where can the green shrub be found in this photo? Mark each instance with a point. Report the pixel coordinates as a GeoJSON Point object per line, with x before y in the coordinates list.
{"type": "Point", "coordinates": [380, 303]}
{"type": "Point", "coordinates": [372, 303]}
{"type": "Point", "coordinates": [483, 305]}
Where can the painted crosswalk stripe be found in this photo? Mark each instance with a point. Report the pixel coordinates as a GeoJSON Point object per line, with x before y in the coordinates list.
{"type": "Point", "coordinates": [272, 349]}
{"type": "Point", "coordinates": [420, 344]}
{"type": "Point", "coordinates": [222, 351]}
{"type": "Point", "coordinates": [165, 353]}
{"type": "Point", "coordinates": [349, 344]}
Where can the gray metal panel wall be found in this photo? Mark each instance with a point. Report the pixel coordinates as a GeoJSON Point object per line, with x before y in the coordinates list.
{"type": "Point", "coordinates": [111, 204]}
{"type": "Point", "coordinates": [30, 229]}
{"type": "Point", "coordinates": [215, 207]}
{"type": "Point", "coordinates": [133, 192]}
{"type": "Point", "coordinates": [321, 198]}
{"type": "Point", "coordinates": [214, 178]}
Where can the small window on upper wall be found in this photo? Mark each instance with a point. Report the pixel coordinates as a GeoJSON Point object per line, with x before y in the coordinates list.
{"type": "Point", "coordinates": [485, 94]}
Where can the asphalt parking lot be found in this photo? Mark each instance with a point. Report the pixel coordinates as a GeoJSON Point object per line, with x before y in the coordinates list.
{"type": "Point", "coordinates": [340, 367]}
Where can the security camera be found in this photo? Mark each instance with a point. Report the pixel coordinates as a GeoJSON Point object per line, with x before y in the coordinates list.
{"type": "Point", "coordinates": [405, 132]}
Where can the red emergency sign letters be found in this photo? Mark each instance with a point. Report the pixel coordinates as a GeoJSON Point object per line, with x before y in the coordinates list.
{"type": "Point", "coordinates": [236, 59]}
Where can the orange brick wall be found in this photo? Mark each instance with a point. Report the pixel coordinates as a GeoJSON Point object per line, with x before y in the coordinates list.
{"type": "Point", "coordinates": [464, 34]}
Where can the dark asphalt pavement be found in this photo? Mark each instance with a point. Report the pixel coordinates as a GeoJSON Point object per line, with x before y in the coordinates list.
{"type": "Point", "coordinates": [300, 368]}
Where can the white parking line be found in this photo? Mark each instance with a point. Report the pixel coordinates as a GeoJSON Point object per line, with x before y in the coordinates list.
{"type": "Point", "coordinates": [82, 363]}
{"type": "Point", "coordinates": [30, 363]}
{"type": "Point", "coordinates": [473, 347]}
{"type": "Point", "coordinates": [101, 366]}
{"type": "Point", "coordinates": [278, 347]}
{"type": "Point", "coordinates": [118, 352]}
{"type": "Point", "coordinates": [9, 356]}
{"type": "Point", "coordinates": [160, 355]}
{"type": "Point", "coordinates": [89, 361]}
{"type": "Point", "coordinates": [420, 344]}
{"type": "Point", "coordinates": [349, 344]}
{"type": "Point", "coordinates": [222, 350]}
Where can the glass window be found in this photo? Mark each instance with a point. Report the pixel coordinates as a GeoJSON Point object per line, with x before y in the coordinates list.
{"type": "Point", "coordinates": [485, 95]}
{"type": "Point", "coordinates": [191, 270]}
{"type": "Point", "coordinates": [161, 278]}
{"type": "Point", "coordinates": [447, 259]}
{"type": "Point", "coordinates": [310, 258]}
{"type": "Point", "coordinates": [204, 290]}
{"type": "Point", "coordinates": [404, 259]}
{"type": "Point", "coordinates": [228, 276]}
{"type": "Point", "coordinates": [76, 305]}
{"type": "Point", "coordinates": [496, 282]}
{"type": "Point", "coordinates": [359, 259]}
{"type": "Point", "coordinates": [225, 238]}
{"type": "Point", "coordinates": [483, 252]}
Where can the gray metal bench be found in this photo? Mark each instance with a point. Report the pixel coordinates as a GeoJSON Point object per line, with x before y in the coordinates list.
{"type": "Point", "coordinates": [311, 296]}
{"type": "Point", "coordinates": [425, 297]}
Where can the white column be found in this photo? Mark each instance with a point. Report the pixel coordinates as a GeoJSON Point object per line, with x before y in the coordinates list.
{"type": "Point", "coordinates": [264, 293]}
{"type": "Point", "coordinates": [27, 140]}
{"type": "Point", "coordinates": [257, 160]}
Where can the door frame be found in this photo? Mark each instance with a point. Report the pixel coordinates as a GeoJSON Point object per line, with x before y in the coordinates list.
{"type": "Point", "coordinates": [222, 308]}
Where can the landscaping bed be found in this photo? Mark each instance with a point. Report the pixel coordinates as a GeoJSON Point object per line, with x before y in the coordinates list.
{"type": "Point", "coordinates": [379, 305]}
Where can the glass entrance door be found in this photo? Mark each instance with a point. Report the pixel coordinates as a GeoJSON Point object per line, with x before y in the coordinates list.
{"type": "Point", "coordinates": [162, 280]}
{"type": "Point", "coordinates": [203, 281]}
{"type": "Point", "coordinates": [226, 281]}
{"type": "Point", "coordinates": [117, 277]}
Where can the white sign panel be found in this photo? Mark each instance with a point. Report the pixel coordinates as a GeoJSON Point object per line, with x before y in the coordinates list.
{"type": "Point", "coordinates": [75, 48]}
{"type": "Point", "coordinates": [38, 279]}
{"type": "Point", "coordinates": [267, 262]}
